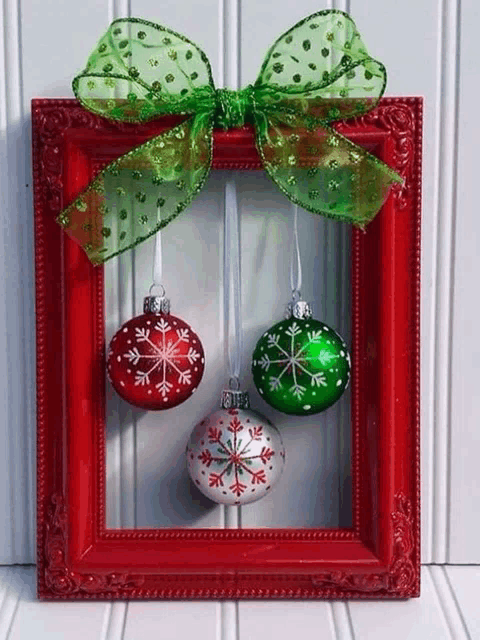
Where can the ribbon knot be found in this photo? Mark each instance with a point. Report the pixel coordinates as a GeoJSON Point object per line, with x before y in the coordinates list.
{"type": "Point", "coordinates": [232, 107]}
{"type": "Point", "coordinates": [317, 72]}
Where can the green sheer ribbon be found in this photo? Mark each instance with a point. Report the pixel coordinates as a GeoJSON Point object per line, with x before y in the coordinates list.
{"type": "Point", "coordinates": [316, 73]}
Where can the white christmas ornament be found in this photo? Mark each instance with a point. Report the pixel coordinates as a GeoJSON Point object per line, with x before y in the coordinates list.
{"type": "Point", "coordinates": [235, 456]}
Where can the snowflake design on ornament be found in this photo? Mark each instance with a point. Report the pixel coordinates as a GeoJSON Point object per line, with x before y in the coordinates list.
{"type": "Point", "coordinates": [166, 354]}
{"type": "Point", "coordinates": [234, 457]}
{"type": "Point", "coordinates": [294, 361]}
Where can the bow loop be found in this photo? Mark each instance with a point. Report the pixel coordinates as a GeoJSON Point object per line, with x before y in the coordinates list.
{"type": "Point", "coordinates": [320, 67]}
{"type": "Point", "coordinates": [140, 70]}
{"type": "Point", "coordinates": [232, 107]}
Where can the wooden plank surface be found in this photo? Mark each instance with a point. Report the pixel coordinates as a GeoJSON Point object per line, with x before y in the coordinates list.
{"type": "Point", "coordinates": [447, 609]}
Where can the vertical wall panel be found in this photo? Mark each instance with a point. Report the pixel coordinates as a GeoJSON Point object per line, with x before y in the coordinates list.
{"type": "Point", "coordinates": [16, 309]}
{"type": "Point", "coordinates": [406, 40]}
{"type": "Point", "coordinates": [445, 206]}
{"type": "Point", "coordinates": [198, 20]}
{"type": "Point", "coordinates": [121, 423]}
{"type": "Point", "coordinates": [232, 328]}
{"type": "Point", "coordinates": [262, 23]}
{"type": "Point", "coordinates": [35, 39]}
{"type": "Point", "coordinates": [465, 411]}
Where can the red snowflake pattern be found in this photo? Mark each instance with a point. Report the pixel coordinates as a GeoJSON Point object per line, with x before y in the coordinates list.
{"type": "Point", "coordinates": [214, 435]}
{"type": "Point", "coordinates": [256, 433]}
{"type": "Point", "coordinates": [206, 457]}
{"type": "Point", "coordinates": [259, 477]}
{"type": "Point", "coordinates": [234, 457]}
{"type": "Point", "coordinates": [215, 480]}
{"type": "Point", "coordinates": [237, 488]}
{"type": "Point", "coordinates": [266, 454]}
{"type": "Point", "coordinates": [235, 425]}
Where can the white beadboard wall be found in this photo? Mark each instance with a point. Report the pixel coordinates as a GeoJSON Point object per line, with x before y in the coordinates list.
{"type": "Point", "coordinates": [429, 51]}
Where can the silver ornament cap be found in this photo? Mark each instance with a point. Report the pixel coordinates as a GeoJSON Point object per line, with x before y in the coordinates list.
{"type": "Point", "coordinates": [299, 309]}
{"type": "Point", "coordinates": [235, 399]}
{"type": "Point", "coordinates": [156, 304]}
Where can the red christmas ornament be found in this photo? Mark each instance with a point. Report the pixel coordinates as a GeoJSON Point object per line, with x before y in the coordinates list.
{"type": "Point", "coordinates": [155, 361]}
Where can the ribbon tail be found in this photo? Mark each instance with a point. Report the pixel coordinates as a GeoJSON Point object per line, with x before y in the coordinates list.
{"type": "Point", "coordinates": [142, 191]}
{"type": "Point", "coordinates": [322, 171]}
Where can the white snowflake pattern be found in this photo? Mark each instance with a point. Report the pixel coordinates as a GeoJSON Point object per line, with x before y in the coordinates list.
{"type": "Point", "coordinates": [166, 354]}
{"type": "Point", "coordinates": [295, 361]}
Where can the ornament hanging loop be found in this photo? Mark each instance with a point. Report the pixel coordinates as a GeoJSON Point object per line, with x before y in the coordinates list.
{"type": "Point", "coordinates": [234, 383]}
{"type": "Point", "coordinates": [159, 286]}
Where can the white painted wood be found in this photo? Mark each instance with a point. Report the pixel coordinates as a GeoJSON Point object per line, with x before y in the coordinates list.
{"type": "Point", "coordinates": [229, 77]}
{"type": "Point", "coordinates": [341, 244]}
{"type": "Point", "coordinates": [465, 583]}
{"type": "Point", "coordinates": [342, 621]}
{"type": "Point", "coordinates": [5, 486]}
{"type": "Point", "coordinates": [46, 32]}
{"type": "Point", "coordinates": [447, 609]}
{"type": "Point", "coordinates": [11, 590]}
{"type": "Point", "coordinates": [16, 309]}
{"type": "Point", "coordinates": [446, 175]}
{"type": "Point", "coordinates": [229, 619]}
{"type": "Point", "coordinates": [198, 20]}
{"type": "Point", "coordinates": [286, 619]}
{"type": "Point", "coordinates": [415, 619]}
{"type": "Point", "coordinates": [33, 64]}
{"type": "Point", "coordinates": [401, 35]}
{"type": "Point", "coordinates": [122, 418]}
{"type": "Point", "coordinates": [465, 443]}
{"type": "Point", "coordinates": [262, 23]}
{"type": "Point", "coordinates": [52, 621]}
{"type": "Point", "coordinates": [114, 621]}
{"type": "Point", "coordinates": [451, 610]}
{"type": "Point", "coordinates": [172, 620]}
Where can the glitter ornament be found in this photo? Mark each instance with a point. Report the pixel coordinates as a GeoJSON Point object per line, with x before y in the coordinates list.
{"type": "Point", "coordinates": [301, 366]}
{"type": "Point", "coordinates": [235, 455]}
{"type": "Point", "coordinates": [155, 360]}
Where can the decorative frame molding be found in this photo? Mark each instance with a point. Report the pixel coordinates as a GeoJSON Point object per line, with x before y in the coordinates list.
{"type": "Point", "coordinates": [77, 557]}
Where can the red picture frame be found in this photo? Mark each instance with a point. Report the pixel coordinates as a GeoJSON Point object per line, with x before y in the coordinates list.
{"type": "Point", "coordinates": [77, 556]}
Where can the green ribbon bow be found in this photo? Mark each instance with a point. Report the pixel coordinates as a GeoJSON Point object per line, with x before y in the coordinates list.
{"type": "Point", "coordinates": [316, 73]}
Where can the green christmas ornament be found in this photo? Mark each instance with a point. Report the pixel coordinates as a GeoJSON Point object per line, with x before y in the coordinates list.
{"type": "Point", "coordinates": [300, 365]}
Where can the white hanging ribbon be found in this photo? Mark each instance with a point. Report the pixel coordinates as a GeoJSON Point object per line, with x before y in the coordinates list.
{"type": "Point", "coordinates": [157, 259]}
{"type": "Point", "coordinates": [232, 283]}
{"type": "Point", "coordinates": [295, 252]}
{"type": "Point", "coordinates": [157, 270]}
